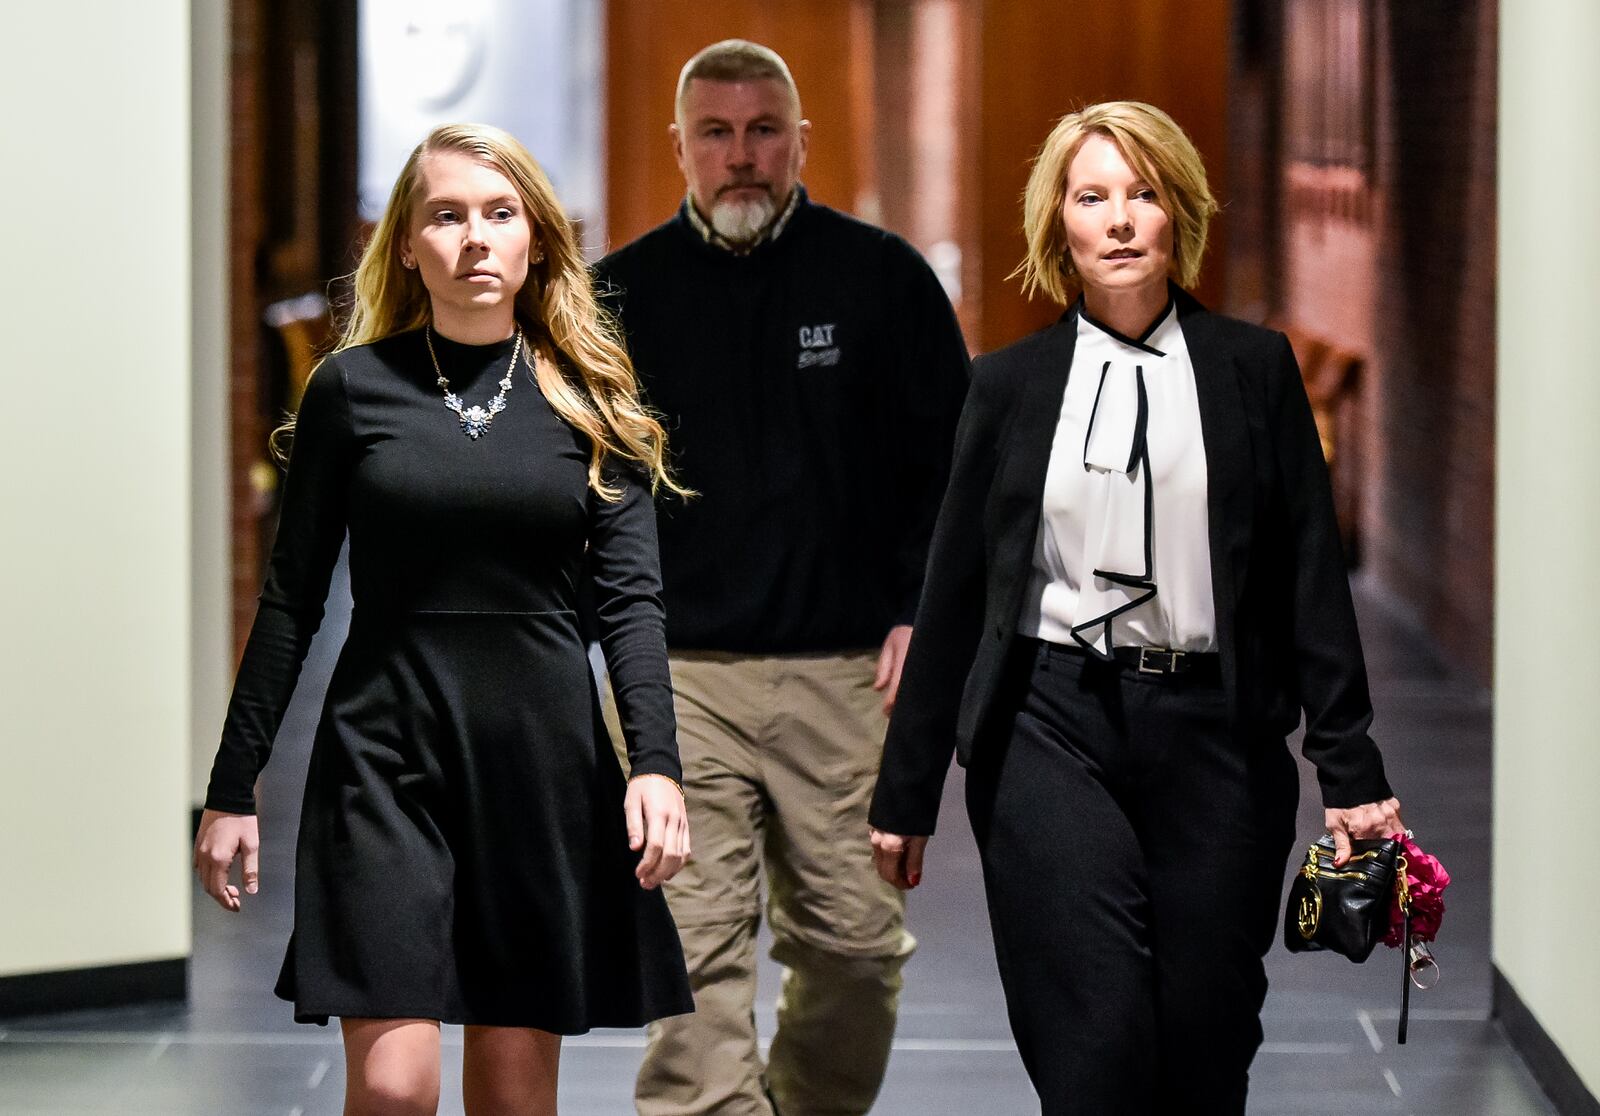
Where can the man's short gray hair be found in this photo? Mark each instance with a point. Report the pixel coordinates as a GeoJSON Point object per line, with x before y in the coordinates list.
{"type": "Point", "coordinates": [736, 60]}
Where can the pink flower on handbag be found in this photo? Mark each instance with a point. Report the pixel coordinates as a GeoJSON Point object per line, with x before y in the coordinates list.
{"type": "Point", "coordinates": [1428, 881]}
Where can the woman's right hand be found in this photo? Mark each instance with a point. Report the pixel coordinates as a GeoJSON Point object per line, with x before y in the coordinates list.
{"type": "Point", "coordinates": [897, 858]}
{"type": "Point", "coordinates": [223, 837]}
{"type": "Point", "coordinates": [1372, 819]}
{"type": "Point", "coordinates": [658, 827]}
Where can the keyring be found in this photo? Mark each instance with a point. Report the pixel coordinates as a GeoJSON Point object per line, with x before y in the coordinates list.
{"type": "Point", "coordinates": [1421, 966]}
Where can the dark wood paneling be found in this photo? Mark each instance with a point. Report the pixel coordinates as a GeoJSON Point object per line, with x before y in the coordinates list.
{"type": "Point", "coordinates": [1044, 58]}
{"type": "Point", "coordinates": [1373, 254]}
{"type": "Point", "coordinates": [247, 429]}
{"type": "Point", "coordinates": [647, 43]}
{"type": "Point", "coordinates": [1022, 64]}
{"type": "Point", "coordinates": [1254, 245]}
{"type": "Point", "coordinates": [1433, 326]}
{"type": "Point", "coordinates": [293, 222]}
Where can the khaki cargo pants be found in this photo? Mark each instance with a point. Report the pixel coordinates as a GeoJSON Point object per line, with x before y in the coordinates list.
{"type": "Point", "coordinates": [780, 754]}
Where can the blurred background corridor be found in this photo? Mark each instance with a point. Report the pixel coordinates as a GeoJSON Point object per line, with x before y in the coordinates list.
{"type": "Point", "coordinates": [1407, 188]}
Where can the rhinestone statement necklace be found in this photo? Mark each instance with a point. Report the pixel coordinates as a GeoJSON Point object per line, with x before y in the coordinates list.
{"type": "Point", "coordinates": [475, 420]}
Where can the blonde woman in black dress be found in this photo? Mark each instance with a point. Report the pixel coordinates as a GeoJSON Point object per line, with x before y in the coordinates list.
{"type": "Point", "coordinates": [470, 851]}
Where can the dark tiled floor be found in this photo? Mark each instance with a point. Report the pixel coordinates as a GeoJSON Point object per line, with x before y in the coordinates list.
{"type": "Point", "coordinates": [232, 1051]}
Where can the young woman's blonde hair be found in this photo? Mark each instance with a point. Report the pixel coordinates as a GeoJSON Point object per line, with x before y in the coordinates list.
{"type": "Point", "coordinates": [583, 370]}
{"type": "Point", "coordinates": [1157, 150]}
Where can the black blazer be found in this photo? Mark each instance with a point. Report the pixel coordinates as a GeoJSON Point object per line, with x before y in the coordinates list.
{"type": "Point", "coordinates": [1286, 627]}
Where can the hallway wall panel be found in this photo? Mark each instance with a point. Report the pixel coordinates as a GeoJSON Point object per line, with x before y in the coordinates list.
{"type": "Point", "coordinates": [1044, 58]}
{"type": "Point", "coordinates": [1431, 524]}
{"type": "Point", "coordinates": [1547, 534]}
{"type": "Point", "coordinates": [1367, 222]}
{"type": "Point", "coordinates": [648, 41]}
{"type": "Point", "coordinates": [211, 626]}
{"type": "Point", "coordinates": [94, 477]}
{"type": "Point", "coordinates": [1019, 65]}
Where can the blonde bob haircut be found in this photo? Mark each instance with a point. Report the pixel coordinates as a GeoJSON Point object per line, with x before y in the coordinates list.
{"type": "Point", "coordinates": [1157, 149]}
{"type": "Point", "coordinates": [583, 371]}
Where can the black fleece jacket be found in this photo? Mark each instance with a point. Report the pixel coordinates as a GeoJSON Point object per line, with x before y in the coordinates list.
{"type": "Point", "coordinates": [810, 390]}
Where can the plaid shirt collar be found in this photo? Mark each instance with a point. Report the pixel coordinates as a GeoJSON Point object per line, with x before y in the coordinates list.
{"type": "Point", "coordinates": [773, 230]}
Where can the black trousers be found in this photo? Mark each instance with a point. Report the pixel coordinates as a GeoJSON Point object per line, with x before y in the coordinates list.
{"type": "Point", "coordinates": [1134, 850]}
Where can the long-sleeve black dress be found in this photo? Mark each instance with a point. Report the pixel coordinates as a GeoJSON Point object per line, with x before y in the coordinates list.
{"type": "Point", "coordinates": [463, 852]}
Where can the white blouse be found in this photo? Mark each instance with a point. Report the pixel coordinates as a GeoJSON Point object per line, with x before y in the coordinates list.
{"type": "Point", "coordinates": [1120, 561]}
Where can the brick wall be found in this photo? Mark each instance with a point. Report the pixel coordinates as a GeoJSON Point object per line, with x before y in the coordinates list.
{"type": "Point", "coordinates": [1431, 527]}
{"type": "Point", "coordinates": [293, 229]}
{"type": "Point", "coordinates": [247, 429]}
{"type": "Point", "coordinates": [1390, 254]}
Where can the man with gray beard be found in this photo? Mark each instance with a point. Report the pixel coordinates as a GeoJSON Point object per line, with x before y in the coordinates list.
{"type": "Point", "coordinates": [810, 372]}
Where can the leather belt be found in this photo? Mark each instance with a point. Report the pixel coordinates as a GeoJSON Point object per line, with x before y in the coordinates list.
{"type": "Point", "coordinates": [1196, 666]}
{"type": "Point", "coordinates": [1164, 660]}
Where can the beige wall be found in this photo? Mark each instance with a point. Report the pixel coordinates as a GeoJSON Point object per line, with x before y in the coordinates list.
{"type": "Point", "coordinates": [211, 647]}
{"type": "Point", "coordinates": [95, 485]}
{"type": "Point", "coordinates": [1547, 659]}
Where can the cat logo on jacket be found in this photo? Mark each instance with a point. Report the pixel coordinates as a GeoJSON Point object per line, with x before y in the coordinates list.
{"type": "Point", "coordinates": [817, 349]}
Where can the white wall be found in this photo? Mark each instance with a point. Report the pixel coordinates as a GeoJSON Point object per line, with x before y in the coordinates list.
{"type": "Point", "coordinates": [1547, 525]}
{"type": "Point", "coordinates": [94, 484]}
{"type": "Point", "coordinates": [531, 67]}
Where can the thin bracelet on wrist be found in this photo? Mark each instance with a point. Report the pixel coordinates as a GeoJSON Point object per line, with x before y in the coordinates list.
{"type": "Point", "coordinates": [659, 775]}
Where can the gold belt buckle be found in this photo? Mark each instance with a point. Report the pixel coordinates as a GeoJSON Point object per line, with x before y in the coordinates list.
{"type": "Point", "coordinates": [1145, 654]}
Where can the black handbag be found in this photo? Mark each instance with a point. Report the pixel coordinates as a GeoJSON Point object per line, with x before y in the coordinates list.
{"type": "Point", "coordinates": [1346, 910]}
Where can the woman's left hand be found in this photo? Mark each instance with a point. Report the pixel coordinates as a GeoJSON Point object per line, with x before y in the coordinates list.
{"type": "Point", "coordinates": [658, 824]}
{"type": "Point", "coordinates": [898, 858]}
{"type": "Point", "coordinates": [1375, 819]}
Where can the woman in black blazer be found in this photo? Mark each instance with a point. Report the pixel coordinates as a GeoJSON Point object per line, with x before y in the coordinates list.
{"type": "Point", "coordinates": [1134, 589]}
